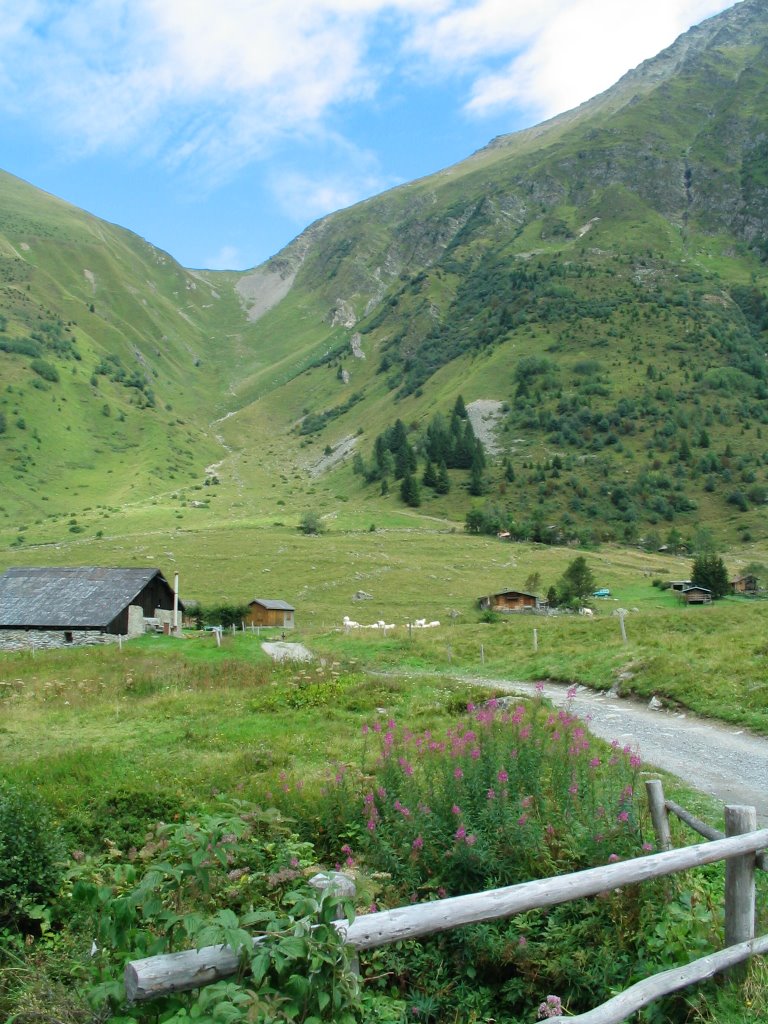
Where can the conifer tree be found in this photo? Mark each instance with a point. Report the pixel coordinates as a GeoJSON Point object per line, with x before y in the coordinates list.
{"type": "Point", "coordinates": [443, 484]}
{"type": "Point", "coordinates": [409, 491]}
{"type": "Point", "coordinates": [430, 476]}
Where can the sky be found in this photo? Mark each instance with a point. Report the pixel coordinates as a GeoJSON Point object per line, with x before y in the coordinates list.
{"type": "Point", "coordinates": [219, 129]}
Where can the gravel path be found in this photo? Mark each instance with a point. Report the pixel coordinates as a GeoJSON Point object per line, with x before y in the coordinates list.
{"type": "Point", "coordinates": [724, 761]}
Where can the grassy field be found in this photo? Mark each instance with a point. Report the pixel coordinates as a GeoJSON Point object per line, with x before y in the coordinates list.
{"type": "Point", "coordinates": [115, 740]}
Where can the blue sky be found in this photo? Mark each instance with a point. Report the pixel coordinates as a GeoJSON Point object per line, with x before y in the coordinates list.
{"type": "Point", "coordinates": [219, 129]}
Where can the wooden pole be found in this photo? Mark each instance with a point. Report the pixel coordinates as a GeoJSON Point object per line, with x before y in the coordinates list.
{"type": "Point", "coordinates": [658, 808]}
{"type": "Point", "coordinates": [622, 627]}
{"type": "Point", "coordinates": [482, 655]}
{"type": "Point", "coordinates": [535, 639]}
{"type": "Point", "coordinates": [740, 879]}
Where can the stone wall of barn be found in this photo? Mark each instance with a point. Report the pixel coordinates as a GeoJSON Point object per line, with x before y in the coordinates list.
{"type": "Point", "coordinates": [48, 639]}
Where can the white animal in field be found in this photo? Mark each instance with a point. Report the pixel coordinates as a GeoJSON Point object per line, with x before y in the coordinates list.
{"type": "Point", "coordinates": [350, 623]}
{"type": "Point", "coordinates": [586, 611]}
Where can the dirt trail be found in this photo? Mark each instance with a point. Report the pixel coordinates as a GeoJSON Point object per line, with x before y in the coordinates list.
{"type": "Point", "coordinates": [724, 761]}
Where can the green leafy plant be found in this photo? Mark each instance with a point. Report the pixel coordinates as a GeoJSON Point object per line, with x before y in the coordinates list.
{"type": "Point", "coordinates": [32, 856]}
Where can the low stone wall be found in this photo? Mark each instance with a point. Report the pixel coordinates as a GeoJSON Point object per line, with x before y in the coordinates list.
{"type": "Point", "coordinates": [39, 640]}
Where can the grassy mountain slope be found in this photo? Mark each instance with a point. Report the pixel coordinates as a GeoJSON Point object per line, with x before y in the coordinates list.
{"type": "Point", "coordinates": [114, 358]}
{"type": "Point", "coordinates": [602, 278]}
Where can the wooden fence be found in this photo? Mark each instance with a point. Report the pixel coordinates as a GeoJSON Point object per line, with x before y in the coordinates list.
{"type": "Point", "coordinates": [191, 969]}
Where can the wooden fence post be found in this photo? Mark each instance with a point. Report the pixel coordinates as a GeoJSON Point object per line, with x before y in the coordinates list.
{"type": "Point", "coordinates": [535, 639]}
{"type": "Point", "coordinates": [655, 790]}
{"type": "Point", "coordinates": [740, 879]}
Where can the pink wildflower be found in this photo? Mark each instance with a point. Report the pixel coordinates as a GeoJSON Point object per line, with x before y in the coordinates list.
{"type": "Point", "coordinates": [458, 773]}
{"type": "Point", "coordinates": [471, 840]}
{"type": "Point", "coordinates": [622, 816]}
{"type": "Point", "coordinates": [595, 762]}
{"type": "Point", "coordinates": [503, 776]}
{"type": "Point", "coordinates": [461, 832]}
{"type": "Point", "coordinates": [455, 809]}
{"type": "Point", "coordinates": [491, 794]}
{"type": "Point", "coordinates": [365, 730]}
{"type": "Point", "coordinates": [522, 819]}
{"type": "Point", "coordinates": [474, 753]}
{"type": "Point", "coordinates": [647, 847]}
{"type": "Point", "coordinates": [613, 858]}
{"type": "Point", "coordinates": [553, 1007]}
{"type": "Point", "coordinates": [417, 843]}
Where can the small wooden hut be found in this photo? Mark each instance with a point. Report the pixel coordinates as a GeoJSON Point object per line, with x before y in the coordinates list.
{"type": "Point", "coordinates": [748, 584]}
{"type": "Point", "coordinates": [263, 612]}
{"type": "Point", "coordinates": [510, 601]}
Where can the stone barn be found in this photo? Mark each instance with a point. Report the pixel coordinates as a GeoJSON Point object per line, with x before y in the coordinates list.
{"type": "Point", "coordinates": [262, 612]}
{"type": "Point", "coordinates": [510, 601]}
{"type": "Point", "coordinates": [50, 607]}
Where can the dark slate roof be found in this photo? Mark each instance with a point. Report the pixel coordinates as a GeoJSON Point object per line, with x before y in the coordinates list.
{"type": "Point", "coordinates": [84, 597]}
{"type": "Point", "coordinates": [274, 605]}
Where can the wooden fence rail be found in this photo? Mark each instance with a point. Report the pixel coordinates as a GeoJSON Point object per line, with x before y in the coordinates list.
{"type": "Point", "coordinates": [181, 972]}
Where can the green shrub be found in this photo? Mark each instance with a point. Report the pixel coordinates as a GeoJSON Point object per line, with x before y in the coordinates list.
{"type": "Point", "coordinates": [31, 855]}
{"type": "Point", "coordinates": [45, 370]}
{"type": "Point", "coordinates": [196, 884]}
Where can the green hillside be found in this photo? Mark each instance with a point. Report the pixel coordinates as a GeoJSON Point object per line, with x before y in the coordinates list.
{"type": "Point", "coordinates": [599, 283]}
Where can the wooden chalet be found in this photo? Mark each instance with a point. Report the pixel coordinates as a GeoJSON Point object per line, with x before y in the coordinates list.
{"type": "Point", "coordinates": [510, 601]}
{"type": "Point", "coordinates": [262, 612]}
{"type": "Point", "coordinates": [680, 585]}
{"type": "Point", "coordinates": [748, 584]}
{"type": "Point", "coordinates": [696, 595]}
{"type": "Point", "coordinates": [85, 599]}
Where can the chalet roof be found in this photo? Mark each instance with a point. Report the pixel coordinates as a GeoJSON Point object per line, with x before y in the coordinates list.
{"type": "Point", "coordinates": [746, 576]}
{"type": "Point", "coordinates": [520, 593]}
{"type": "Point", "coordinates": [84, 597]}
{"type": "Point", "coordinates": [704, 590]}
{"type": "Point", "coordinates": [273, 605]}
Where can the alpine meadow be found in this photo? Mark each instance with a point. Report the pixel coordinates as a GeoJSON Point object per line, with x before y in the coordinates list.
{"type": "Point", "coordinates": [460, 413]}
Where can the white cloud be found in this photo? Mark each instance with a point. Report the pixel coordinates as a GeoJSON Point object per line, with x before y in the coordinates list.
{"type": "Point", "coordinates": [228, 257]}
{"type": "Point", "coordinates": [554, 53]}
{"type": "Point", "coordinates": [305, 197]}
{"type": "Point", "coordinates": [210, 88]}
